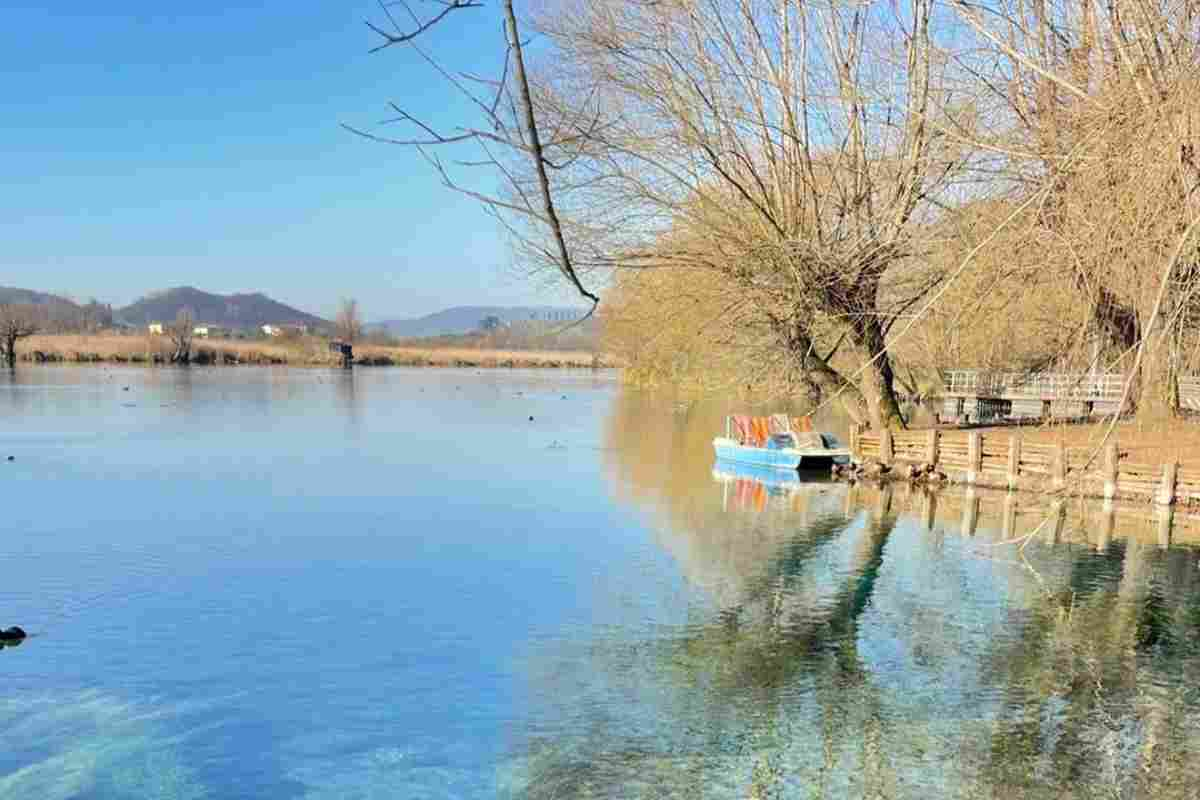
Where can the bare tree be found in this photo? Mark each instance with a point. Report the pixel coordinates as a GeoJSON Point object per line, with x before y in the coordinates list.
{"type": "Point", "coordinates": [348, 324]}
{"type": "Point", "coordinates": [1092, 107]}
{"type": "Point", "coordinates": [510, 137]}
{"type": "Point", "coordinates": [180, 333]}
{"type": "Point", "coordinates": [788, 149]}
{"type": "Point", "coordinates": [18, 322]}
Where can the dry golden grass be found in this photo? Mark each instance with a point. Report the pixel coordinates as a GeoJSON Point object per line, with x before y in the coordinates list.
{"type": "Point", "coordinates": [306, 351]}
{"type": "Point", "coordinates": [468, 357]}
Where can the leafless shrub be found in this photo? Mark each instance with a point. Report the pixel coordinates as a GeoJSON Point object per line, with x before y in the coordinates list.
{"type": "Point", "coordinates": [18, 322]}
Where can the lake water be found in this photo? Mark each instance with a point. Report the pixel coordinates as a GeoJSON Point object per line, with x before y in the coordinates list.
{"type": "Point", "coordinates": [250, 583]}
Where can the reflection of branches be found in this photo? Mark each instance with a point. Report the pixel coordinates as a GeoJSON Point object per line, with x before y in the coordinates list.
{"type": "Point", "coordinates": [729, 683]}
{"type": "Point", "coordinates": [1095, 707]}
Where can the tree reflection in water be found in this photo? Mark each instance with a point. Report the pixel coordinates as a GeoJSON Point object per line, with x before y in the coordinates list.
{"type": "Point", "coordinates": [871, 644]}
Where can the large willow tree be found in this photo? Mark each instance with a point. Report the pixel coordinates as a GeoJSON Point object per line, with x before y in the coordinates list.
{"type": "Point", "coordinates": [1094, 114]}
{"type": "Point", "coordinates": [830, 196]}
{"type": "Point", "coordinates": [781, 154]}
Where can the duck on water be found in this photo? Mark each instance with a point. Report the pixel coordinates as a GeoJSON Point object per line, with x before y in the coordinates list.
{"type": "Point", "coordinates": [777, 442]}
{"type": "Point", "coordinates": [11, 636]}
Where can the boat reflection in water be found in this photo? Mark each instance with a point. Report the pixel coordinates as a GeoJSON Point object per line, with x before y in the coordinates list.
{"type": "Point", "coordinates": [747, 487]}
{"type": "Point", "coordinates": [814, 639]}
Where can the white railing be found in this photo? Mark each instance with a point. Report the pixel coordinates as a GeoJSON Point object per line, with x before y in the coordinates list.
{"type": "Point", "coordinates": [1052, 386]}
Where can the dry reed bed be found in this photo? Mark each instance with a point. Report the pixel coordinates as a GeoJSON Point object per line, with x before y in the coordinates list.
{"type": "Point", "coordinates": [297, 352]}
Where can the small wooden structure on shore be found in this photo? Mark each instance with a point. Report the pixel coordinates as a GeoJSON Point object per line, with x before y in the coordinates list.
{"type": "Point", "coordinates": [1004, 461]}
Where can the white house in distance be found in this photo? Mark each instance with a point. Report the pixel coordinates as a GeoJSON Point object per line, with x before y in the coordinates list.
{"type": "Point", "coordinates": [155, 328]}
{"type": "Point", "coordinates": [201, 331]}
{"type": "Point", "coordinates": [295, 328]}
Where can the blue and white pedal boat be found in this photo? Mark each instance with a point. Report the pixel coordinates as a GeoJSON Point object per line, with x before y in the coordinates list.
{"type": "Point", "coordinates": [782, 458]}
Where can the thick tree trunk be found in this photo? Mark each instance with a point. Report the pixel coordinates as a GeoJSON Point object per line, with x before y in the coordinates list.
{"type": "Point", "coordinates": [1157, 383]}
{"type": "Point", "coordinates": [1156, 386]}
{"type": "Point", "coordinates": [830, 383]}
{"type": "Point", "coordinates": [823, 380]}
{"type": "Point", "coordinates": [878, 382]}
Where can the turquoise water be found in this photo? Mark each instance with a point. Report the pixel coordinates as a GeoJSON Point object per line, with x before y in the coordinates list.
{"type": "Point", "coordinates": [393, 583]}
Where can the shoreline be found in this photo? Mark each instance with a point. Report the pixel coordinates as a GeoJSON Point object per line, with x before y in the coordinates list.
{"type": "Point", "coordinates": [152, 351]}
{"type": "Point", "coordinates": [1142, 463]}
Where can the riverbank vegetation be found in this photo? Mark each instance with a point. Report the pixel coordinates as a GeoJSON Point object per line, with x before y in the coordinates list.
{"type": "Point", "coordinates": [840, 201]}
{"type": "Point", "coordinates": [295, 351]}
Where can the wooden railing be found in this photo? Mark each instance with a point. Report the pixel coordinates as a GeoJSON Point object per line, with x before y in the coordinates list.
{"type": "Point", "coordinates": [1005, 460]}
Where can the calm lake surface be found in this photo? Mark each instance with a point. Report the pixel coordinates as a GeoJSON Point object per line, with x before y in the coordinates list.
{"type": "Point", "coordinates": [247, 583]}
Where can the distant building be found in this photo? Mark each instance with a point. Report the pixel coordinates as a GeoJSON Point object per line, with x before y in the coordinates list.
{"type": "Point", "coordinates": [556, 315]}
{"type": "Point", "coordinates": [272, 330]}
{"type": "Point", "coordinates": [155, 328]}
{"type": "Point", "coordinates": [210, 331]}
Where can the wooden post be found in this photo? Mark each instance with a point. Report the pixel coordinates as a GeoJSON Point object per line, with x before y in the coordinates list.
{"type": "Point", "coordinates": [1108, 518]}
{"type": "Point", "coordinates": [1014, 460]}
{"type": "Point", "coordinates": [931, 447]}
{"type": "Point", "coordinates": [1008, 528]}
{"type": "Point", "coordinates": [885, 500]}
{"type": "Point", "coordinates": [886, 453]}
{"type": "Point", "coordinates": [1059, 509]}
{"type": "Point", "coordinates": [854, 454]}
{"type": "Point", "coordinates": [1110, 471]}
{"type": "Point", "coordinates": [1166, 521]}
{"type": "Point", "coordinates": [970, 517]}
{"type": "Point", "coordinates": [929, 509]}
{"type": "Point", "coordinates": [1166, 490]}
{"type": "Point", "coordinates": [1059, 468]}
{"type": "Point", "coordinates": [974, 456]}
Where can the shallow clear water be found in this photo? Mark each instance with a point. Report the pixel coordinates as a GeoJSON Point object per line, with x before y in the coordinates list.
{"type": "Point", "coordinates": [393, 583]}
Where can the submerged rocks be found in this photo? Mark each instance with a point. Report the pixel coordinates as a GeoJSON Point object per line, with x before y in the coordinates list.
{"type": "Point", "coordinates": [874, 470]}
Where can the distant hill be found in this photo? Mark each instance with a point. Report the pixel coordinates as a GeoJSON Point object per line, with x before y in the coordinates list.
{"type": "Point", "coordinates": [60, 314]}
{"type": "Point", "coordinates": [13, 296]}
{"type": "Point", "coordinates": [464, 319]}
{"type": "Point", "coordinates": [239, 311]}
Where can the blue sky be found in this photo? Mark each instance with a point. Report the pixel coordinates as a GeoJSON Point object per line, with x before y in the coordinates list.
{"type": "Point", "coordinates": [146, 145]}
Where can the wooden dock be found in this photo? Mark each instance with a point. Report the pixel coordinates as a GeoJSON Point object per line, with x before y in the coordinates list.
{"type": "Point", "coordinates": [1005, 461]}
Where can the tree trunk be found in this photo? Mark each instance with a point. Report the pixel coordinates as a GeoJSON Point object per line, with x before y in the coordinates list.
{"type": "Point", "coordinates": [824, 381]}
{"type": "Point", "coordinates": [10, 351]}
{"type": "Point", "coordinates": [878, 382]}
{"type": "Point", "coordinates": [1157, 383]}
{"type": "Point", "coordinates": [1156, 388]}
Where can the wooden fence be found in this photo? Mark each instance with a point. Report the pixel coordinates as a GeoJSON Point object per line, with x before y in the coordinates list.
{"type": "Point", "coordinates": [1004, 460]}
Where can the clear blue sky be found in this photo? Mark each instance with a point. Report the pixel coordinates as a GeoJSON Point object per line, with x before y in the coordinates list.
{"type": "Point", "coordinates": [146, 144]}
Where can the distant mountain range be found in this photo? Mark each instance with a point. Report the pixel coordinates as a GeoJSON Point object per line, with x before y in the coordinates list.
{"type": "Point", "coordinates": [239, 311]}
{"type": "Point", "coordinates": [464, 319]}
{"type": "Point", "coordinates": [250, 311]}
{"type": "Point", "coordinates": [13, 296]}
